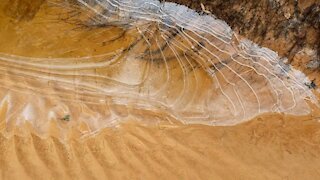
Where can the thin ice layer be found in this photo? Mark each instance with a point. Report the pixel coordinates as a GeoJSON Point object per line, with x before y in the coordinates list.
{"type": "Point", "coordinates": [157, 59]}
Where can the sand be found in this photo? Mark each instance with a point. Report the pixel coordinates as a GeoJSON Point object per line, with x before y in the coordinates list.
{"type": "Point", "coordinates": [271, 146]}
{"type": "Point", "coordinates": [268, 147]}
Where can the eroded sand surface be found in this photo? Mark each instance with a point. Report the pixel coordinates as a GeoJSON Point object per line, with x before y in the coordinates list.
{"type": "Point", "coordinates": [269, 147]}
{"type": "Point", "coordinates": [51, 129]}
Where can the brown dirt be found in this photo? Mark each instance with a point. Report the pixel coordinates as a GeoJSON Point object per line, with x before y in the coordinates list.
{"type": "Point", "coordinates": [292, 24]}
{"type": "Point", "coordinates": [291, 28]}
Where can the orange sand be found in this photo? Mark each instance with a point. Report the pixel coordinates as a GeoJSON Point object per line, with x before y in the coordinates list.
{"type": "Point", "coordinates": [272, 146]}
{"type": "Point", "coordinates": [269, 147]}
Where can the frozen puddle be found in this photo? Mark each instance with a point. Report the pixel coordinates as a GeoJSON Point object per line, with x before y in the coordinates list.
{"type": "Point", "coordinates": [102, 62]}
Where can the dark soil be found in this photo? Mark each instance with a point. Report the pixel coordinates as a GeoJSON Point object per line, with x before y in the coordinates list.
{"type": "Point", "coordinates": [285, 26]}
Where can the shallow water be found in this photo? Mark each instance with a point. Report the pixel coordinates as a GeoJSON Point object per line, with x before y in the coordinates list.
{"type": "Point", "coordinates": [104, 62]}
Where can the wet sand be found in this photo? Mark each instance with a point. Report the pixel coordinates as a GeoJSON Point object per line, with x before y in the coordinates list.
{"type": "Point", "coordinates": [268, 147]}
